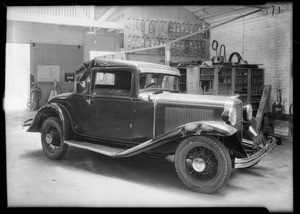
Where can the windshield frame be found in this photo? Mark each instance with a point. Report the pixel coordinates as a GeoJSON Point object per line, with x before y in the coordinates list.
{"type": "Point", "coordinates": [157, 89]}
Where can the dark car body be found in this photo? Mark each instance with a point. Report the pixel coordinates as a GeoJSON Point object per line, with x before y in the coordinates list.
{"type": "Point", "coordinates": [113, 112]}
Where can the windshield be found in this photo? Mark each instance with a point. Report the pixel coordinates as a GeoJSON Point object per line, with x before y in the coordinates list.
{"type": "Point", "coordinates": [158, 81]}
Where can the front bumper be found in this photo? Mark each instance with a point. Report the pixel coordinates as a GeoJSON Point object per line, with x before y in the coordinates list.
{"type": "Point", "coordinates": [256, 157]}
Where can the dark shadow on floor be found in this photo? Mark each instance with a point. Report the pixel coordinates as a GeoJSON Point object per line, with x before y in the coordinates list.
{"type": "Point", "coordinates": [138, 169]}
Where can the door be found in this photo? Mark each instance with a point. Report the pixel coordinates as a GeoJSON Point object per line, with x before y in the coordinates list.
{"type": "Point", "coordinates": [110, 104]}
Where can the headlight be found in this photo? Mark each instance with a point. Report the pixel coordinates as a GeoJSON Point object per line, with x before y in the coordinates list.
{"type": "Point", "coordinates": [247, 112]}
{"type": "Point", "coordinates": [229, 116]}
{"type": "Point", "coordinates": [232, 116]}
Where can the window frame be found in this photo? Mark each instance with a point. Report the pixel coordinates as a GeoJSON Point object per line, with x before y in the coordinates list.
{"type": "Point", "coordinates": [94, 70]}
{"type": "Point", "coordinates": [150, 89]}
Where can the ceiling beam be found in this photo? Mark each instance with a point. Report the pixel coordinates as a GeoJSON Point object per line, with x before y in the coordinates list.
{"type": "Point", "coordinates": [107, 14]}
{"type": "Point", "coordinates": [222, 12]}
{"type": "Point", "coordinates": [49, 19]}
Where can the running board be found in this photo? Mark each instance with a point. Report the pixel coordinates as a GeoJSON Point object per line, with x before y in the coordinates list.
{"type": "Point", "coordinates": [105, 150]}
{"type": "Point", "coordinates": [127, 152]}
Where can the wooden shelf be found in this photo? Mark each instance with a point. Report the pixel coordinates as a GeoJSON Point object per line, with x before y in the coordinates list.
{"type": "Point", "coordinates": [227, 73]}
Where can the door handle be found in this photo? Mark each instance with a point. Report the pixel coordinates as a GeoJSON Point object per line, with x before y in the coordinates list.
{"type": "Point", "coordinates": [90, 102]}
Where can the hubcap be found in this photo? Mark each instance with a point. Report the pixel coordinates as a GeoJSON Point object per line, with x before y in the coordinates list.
{"type": "Point", "coordinates": [198, 164]}
{"type": "Point", "coordinates": [49, 138]}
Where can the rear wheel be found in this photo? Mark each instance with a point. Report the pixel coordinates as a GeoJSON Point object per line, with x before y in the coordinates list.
{"type": "Point", "coordinates": [52, 140]}
{"type": "Point", "coordinates": [203, 163]}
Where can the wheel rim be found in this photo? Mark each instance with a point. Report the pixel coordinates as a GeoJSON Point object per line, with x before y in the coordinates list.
{"type": "Point", "coordinates": [201, 163]}
{"type": "Point", "coordinates": [52, 139]}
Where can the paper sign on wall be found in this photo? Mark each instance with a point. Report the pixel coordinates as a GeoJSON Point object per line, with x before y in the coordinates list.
{"type": "Point", "coordinates": [48, 73]}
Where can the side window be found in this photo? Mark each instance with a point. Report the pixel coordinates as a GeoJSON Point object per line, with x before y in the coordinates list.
{"type": "Point", "coordinates": [112, 82]}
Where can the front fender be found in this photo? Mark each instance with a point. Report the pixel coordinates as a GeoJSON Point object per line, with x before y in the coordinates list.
{"type": "Point", "coordinates": [194, 128]}
{"type": "Point", "coordinates": [51, 110]}
{"type": "Point", "coordinates": [209, 128]}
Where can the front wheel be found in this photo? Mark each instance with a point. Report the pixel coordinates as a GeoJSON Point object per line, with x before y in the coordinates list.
{"type": "Point", "coordinates": [52, 140]}
{"type": "Point", "coordinates": [203, 163]}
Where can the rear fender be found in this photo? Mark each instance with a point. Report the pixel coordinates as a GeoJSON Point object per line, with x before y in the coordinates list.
{"type": "Point", "coordinates": [52, 110]}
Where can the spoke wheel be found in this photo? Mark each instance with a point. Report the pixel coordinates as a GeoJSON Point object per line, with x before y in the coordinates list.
{"type": "Point", "coordinates": [51, 137]}
{"type": "Point", "coordinates": [203, 163]}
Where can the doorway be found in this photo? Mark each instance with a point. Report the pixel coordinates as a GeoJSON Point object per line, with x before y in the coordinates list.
{"type": "Point", "coordinates": [17, 76]}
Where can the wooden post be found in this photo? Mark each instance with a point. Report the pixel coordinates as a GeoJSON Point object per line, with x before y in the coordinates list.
{"type": "Point", "coordinates": [216, 81]}
{"type": "Point", "coordinates": [262, 104]}
{"type": "Point", "coordinates": [249, 86]}
{"type": "Point", "coordinates": [232, 80]}
{"type": "Point", "coordinates": [167, 54]}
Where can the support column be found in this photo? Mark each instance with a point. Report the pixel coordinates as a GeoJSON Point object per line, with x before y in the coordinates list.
{"type": "Point", "coordinates": [167, 54]}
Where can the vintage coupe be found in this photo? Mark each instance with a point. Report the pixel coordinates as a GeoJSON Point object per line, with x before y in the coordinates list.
{"type": "Point", "coordinates": [124, 108]}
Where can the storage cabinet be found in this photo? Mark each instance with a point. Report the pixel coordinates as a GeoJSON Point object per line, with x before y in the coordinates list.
{"type": "Point", "coordinates": [182, 80]}
{"type": "Point", "coordinates": [200, 80]}
{"type": "Point", "coordinates": [227, 80]}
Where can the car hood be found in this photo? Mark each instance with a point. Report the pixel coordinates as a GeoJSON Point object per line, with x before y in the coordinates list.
{"type": "Point", "coordinates": [192, 99]}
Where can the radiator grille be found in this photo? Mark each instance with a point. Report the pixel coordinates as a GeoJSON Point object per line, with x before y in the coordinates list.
{"type": "Point", "coordinates": [175, 117]}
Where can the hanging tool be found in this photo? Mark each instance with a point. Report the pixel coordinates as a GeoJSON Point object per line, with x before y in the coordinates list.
{"type": "Point", "coordinates": [138, 42]}
{"type": "Point", "coordinates": [142, 42]}
{"type": "Point", "coordinates": [156, 28]}
{"type": "Point", "coordinates": [187, 46]}
{"type": "Point", "coordinates": [137, 24]}
{"type": "Point", "coordinates": [203, 49]}
{"type": "Point", "coordinates": [160, 28]}
{"type": "Point", "coordinates": [178, 30]}
{"type": "Point", "coordinates": [152, 27]}
{"type": "Point", "coordinates": [165, 27]}
{"type": "Point", "coordinates": [239, 57]}
{"type": "Point", "coordinates": [146, 31]}
{"type": "Point", "coordinates": [191, 46]}
{"type": "Point", "coordinates": [195, 29]}
{"type": "Point", "coordinates": [143, 26]}
{"type": "Point", "coordinates": [128, 23]}
{"type": "Point", "coordinates": [199, 47]}
{"type": "Point", "coordinates": [133, 43]}
{"type": "Point", "coordinates": [219, 58]}
{"type": "Point", "coordinates": [170, 29]}
{"type": "Point", "coordinates": [222, 58]}
{"type": "Point", "coordinates": [182, 31]}
{"type": "Point", "coordinates": [128, 42]}
{"type": "Point", "coordinates": [214, 46]}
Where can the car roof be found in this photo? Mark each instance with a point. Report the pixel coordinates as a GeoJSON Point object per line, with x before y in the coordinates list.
{"type": "Point", "coordinates": [143, 67]}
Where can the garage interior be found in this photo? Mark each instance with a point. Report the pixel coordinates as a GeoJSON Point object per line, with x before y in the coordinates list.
{"type": "Point", "coordinates": [49, 42]}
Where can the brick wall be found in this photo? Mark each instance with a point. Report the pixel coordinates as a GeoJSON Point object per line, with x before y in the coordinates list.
{"type": "Point", "coordinates": [263, 38]}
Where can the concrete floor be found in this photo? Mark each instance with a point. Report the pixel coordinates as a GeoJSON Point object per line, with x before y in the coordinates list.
{"type": "Point", "coordinates": [87, 179]}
